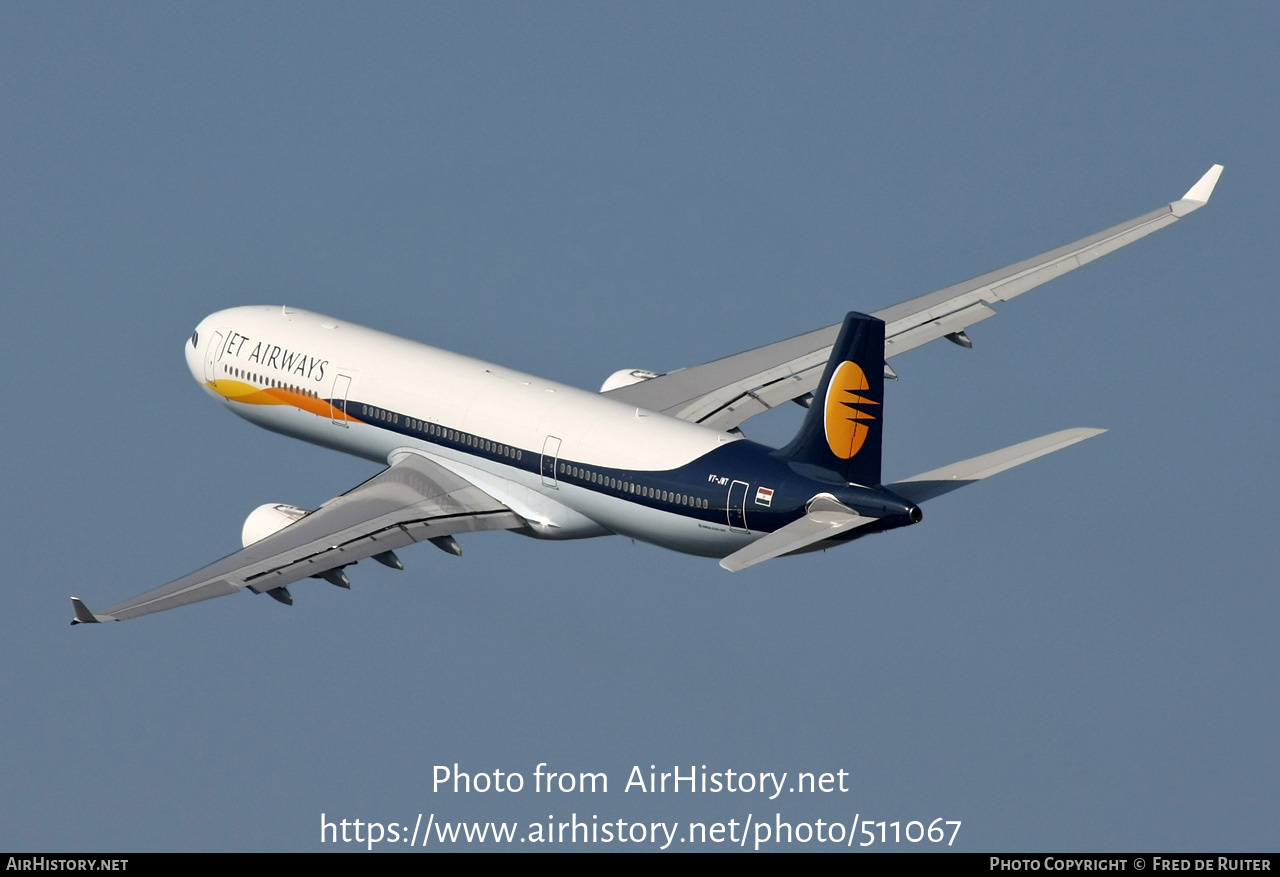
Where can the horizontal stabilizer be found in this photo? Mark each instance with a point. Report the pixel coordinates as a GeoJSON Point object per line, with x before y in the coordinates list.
{"type": "Point", "coordinates": [825, 518]}
{"type": "Point", "coordinates": [928, 485]}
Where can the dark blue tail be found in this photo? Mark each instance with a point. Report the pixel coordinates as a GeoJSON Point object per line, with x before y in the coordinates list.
{"type": "Point", "coordinates": [842, 431]}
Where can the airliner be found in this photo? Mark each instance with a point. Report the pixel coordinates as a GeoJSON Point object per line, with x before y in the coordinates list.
{"type": "Point", "coordinates": [471, 446]}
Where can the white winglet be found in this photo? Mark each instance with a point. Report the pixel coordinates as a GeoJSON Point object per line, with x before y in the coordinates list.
{"type": "Point", "coordinates": [1204, 186]}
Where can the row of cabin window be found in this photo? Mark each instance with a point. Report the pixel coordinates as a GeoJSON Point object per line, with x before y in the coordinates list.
{"type": "Point", "coordinates": [439, 431]}
{"type": "Point", "coordinates": [265, 381]}
{"type": "Point", "coordinates": [379, 414]}
{"type": "Point", "coordinates": [630, 487]}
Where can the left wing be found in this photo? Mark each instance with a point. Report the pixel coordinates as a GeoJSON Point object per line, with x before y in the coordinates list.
{"type": "Point", "coordinates": [412, 500]}
{"type": "Point", "coordinates": [726, 392]}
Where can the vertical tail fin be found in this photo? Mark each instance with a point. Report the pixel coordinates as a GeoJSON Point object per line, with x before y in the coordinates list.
{"type": "Point", "coordinates": [842, 431]}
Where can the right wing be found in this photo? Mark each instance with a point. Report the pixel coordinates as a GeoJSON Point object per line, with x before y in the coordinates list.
{"type": "Point", "coordinates": [726, 392]}
{"type": "Point", "coordinates": [412, 500]}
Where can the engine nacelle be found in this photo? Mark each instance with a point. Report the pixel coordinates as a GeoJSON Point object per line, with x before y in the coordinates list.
{"type": "Point", "coordinates": [625, 378]}
{"type": "Point", "coordinates": [267, 519]}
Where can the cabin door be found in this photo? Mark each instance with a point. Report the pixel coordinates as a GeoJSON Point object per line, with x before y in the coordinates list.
{"type": "Point", "coordinates": [341, 387]}
{"type": "Point", "coordinates": [550, 457]}
{"type": "Point", "coordinates": [211, 355]}
{"type": "Point", "coordinates": [737, 506]}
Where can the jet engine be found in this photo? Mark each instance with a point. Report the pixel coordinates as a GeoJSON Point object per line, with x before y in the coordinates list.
{"type": "Point", "coordinates": [268, 519]}
{"type": "Point", "coordinates": [274, 517]}
{"type": "Point", "coordinates": [625, 378]}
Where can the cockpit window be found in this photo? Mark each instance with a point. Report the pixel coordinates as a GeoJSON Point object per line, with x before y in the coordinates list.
{"type": "Point", "coordinates": [195, 339]}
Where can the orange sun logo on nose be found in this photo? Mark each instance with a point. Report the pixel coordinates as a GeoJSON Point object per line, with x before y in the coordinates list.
{"type": "Point", "coordinates": [843, 420]}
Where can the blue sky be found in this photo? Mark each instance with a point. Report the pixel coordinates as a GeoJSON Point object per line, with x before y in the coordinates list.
{"type": "Point", "coordinates": [1077, 655]}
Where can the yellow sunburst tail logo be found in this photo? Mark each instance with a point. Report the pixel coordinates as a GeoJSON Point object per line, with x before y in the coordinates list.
{"type": "Point", "coordinates": [842, 432]}
{"type": "Point", "coordinates": [848, 410]}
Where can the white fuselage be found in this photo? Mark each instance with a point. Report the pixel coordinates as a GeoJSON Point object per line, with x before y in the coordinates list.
{"type": "Point", "coordinates": [572, 463]}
